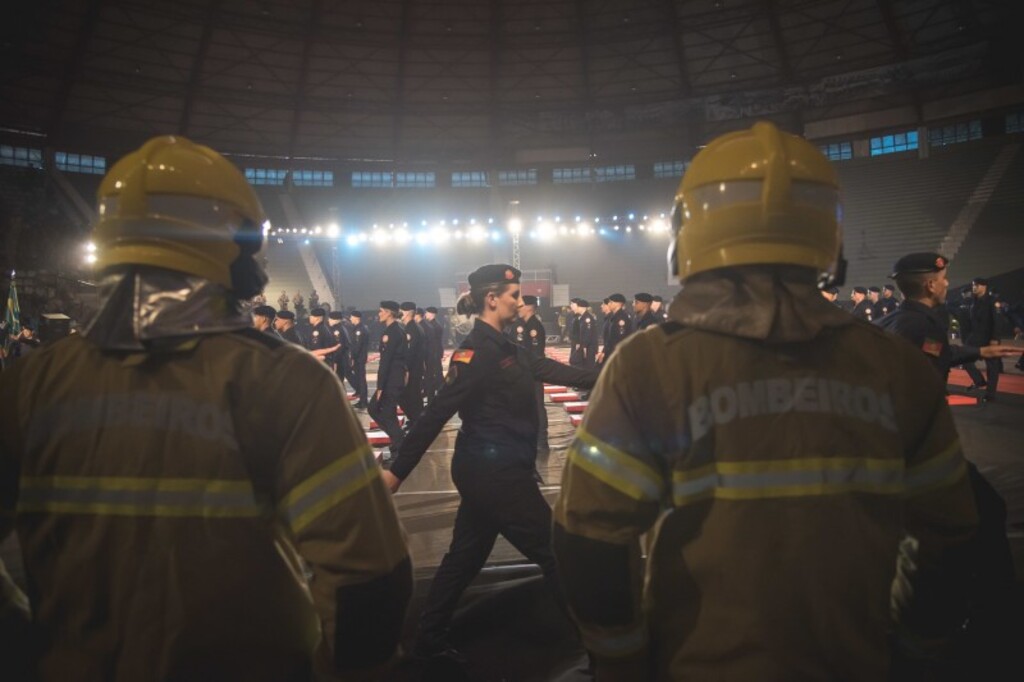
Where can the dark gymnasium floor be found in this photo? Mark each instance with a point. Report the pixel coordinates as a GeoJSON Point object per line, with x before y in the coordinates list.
{"type": "Point", "coordinates": [507, 626]}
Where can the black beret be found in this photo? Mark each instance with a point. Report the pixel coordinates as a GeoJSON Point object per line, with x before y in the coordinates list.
{"type": "Point", "coordinates": [335, 315]}
{"type": "Point", "coordinates": [875, 290]}
{"type": "Point", "coordinates": [833, 290]}
{"type": "Point", "coordinates": [407, 305]}
{"type": "Point", "coordinates": [919, 263]}
{"type": "Point", "coordinates": [529, 300]}
{"type": "Point", "coordinates": [860, 290]}
{"type": "Point", "coordinates": [286, 315]}
{"type": "Point", "coordinates": [355, 313]}
{"type": "Point", "coordinates": [582, 302]}
{"type": "Point", "coordinates": [421, 311]}
{"type": "Point", "coordinates": [888, 287]}
{"type": "Point", "coordinates": [317, 312]}
{"type": "Point", "coordinates": [431, 309]}
{"type": "Point", "coordinates": [617, 298]}
{"type": "Point", "coordinates": [264, 311]}
{"type": "Point", "coordinates": [606, 300]}
{"type": "Point", "coordinates": [657, 298]}
{"type": "Point", "coordinates": [983, 281]}
{"type": "Point", "coordinates": [643, 297]}
{"type": "Point", "coordinates": [495, 273]}
{"type": "Point", "coordinates": [390, 305]}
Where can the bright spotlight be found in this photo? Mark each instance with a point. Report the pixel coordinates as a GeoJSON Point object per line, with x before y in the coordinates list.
{"type": "Point", "coordinates": [333, 231]}
{"type": "Point", "coordinates": [515, 225]}
{"type": "Point", "coordinates": [90, 258]}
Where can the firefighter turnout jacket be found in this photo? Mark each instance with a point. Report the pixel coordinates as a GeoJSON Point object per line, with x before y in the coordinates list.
{"type": "Point", "coordinates": [779, 454]}
{"type": "Point", "coordinates": [163, 501]}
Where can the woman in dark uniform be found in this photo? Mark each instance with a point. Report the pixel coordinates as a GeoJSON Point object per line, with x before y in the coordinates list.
{"type": "Point", "coordinates": [490, 383]}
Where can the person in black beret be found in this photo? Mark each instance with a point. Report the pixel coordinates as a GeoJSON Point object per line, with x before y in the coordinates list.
{"type": "Point", "coordinates": [341, 358]}
{"type": "Point", "coordinates": [320, 340]}
{"type": "Point", "coordinates": [391, 377]}
{"type": "Point", "coordinates": [642, 311]}
{"type": "Point", "coordinates": [658, 308]}
{"type": "Point", "coordinates": [831, 294]}
{"type": "Point", "coordinates": [434, 370]}
{"type": "Point", "coordinates": [263, 320]}
{"type": "Point", "coordinates": [618, 326]}
{"type": "Point", "coordinates": [887, 303]}
{"type": "Point", "coordinates": [359, 352]}
{"type": "Point", "coordinates": [285, 326]}
{"type": "Point", "coordinates": [411, 400]}
{"type": "Point", "coordinates": [981, 332]}
{"type": "Point", "coordinates": [861, 305]}
{"type": "Point", "coordinates": [490, 383]}
{"type": "Point", "coordinates": [924, 320]}
{"type": "Point", "coordinates": [534, 338]}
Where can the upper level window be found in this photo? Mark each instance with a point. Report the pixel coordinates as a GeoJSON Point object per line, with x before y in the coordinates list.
{"type": "Point", "coordinates": [311, 178]}
{"type": "Point", "coordinates": [469, 179]}
{"type": "Point", "coordinates": [266, 176]}
{"type": "Point", "coordinates": [1015, 122]}
{"type": "Point", "coordinates": [372, 179]}
{"type": "Point", "coordinates": [669, 169]}
{"type": "Point", "coordinates": [896, 142]}
{"type": "Point", "coordinates": [614, 173]}
{"type": "Point", "coordinates": [21, 156]}
{"type": "Point", "coordinates": [837, 151]}
{"type": "Point", "coordinates": [518, 177]}
{"type": "Point", "coordinates": [563, 176]}
{"type": "Point", "coordinates": [954, 133]}
{"type": "Point", "coordinates": [81, 163]}
{"type": "Point", "coordinates": [414, 179]}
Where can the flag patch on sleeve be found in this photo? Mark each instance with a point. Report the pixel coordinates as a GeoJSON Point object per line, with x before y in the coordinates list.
{"type": "Point", "coordinates": [465, 356]}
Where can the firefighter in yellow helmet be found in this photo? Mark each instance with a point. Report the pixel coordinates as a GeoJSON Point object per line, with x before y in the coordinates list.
{"type": "Point", "coordinates": [779, 454]}
{"type": "Point", "coordinates": [172, 473]}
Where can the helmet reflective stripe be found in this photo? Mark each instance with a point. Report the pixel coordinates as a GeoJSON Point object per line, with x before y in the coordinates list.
{"type": "Point", "coordinates": [758, 196]}
{"type": "Point", "coordinates": [180, 206]}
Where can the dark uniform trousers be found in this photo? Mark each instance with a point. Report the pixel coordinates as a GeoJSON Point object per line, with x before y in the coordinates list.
{"type": "Point", "coordinates": [506, 501]}
{"type": "Point", "coordinates": [384, 410]}
{"type": "Point", "coordinates": [357, 378]}
{"type": "Point", "coordinates": [411, 399]}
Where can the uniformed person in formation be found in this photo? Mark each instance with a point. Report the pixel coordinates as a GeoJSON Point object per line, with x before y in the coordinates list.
{"type": "Point", "coordinates": [923, 319]}
{"type": "Point", "coordinates": [263, 317]}
{"type": "Point", "coordinates": [888, 302]}
{"type": "Point", "coordinates": [411, 400]}
{"type": "Point", "coordinates": [360, 351]}
{"type": "Point", "coordinates": [589, 335]}
{"type": "Point", "coordinates": [435, 353]}
{"type": "Point", "coordinates": [618, 326]}
{"type": "Point", "coordinates": [341, 358]}
{"type": "Point", "coordinates": [168, 474]}
{"type": "Point", "coordinates": [320, 341]}
{"type": "Point", "coordinates": [535, 339]}
{"type": "Point", "coordinates": [391, 376]}
{"type": "Point", "coordinates": [862, 309]}
{"type": "Point", "coordinates": [831, 294]}
{"type": "Point", "coordinates": [284, 323]}
{"type": "Point", "coordinates": [490, 383]}
{"type": "Point", "coordinates": [658, 308]}
{"type": "Point", "coordinates": [643, 311]}
{"type": "Point", "coordinates": [573, 324]}
{"type": "Point", "coordinates": [762, 432]}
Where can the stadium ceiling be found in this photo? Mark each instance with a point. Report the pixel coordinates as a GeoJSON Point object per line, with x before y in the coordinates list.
{"type": "Point", "coordinates": [453, 81]}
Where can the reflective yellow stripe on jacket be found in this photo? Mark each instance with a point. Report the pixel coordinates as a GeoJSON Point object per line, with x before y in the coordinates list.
{"type": "Point", "coordinates": [804, 477]}
{"type": "Point", "coordinates": [126, 496]}
{"type": "Point", "coordinates": [328, 487]}
{"type": "Point", "coordinates": [614, 467]}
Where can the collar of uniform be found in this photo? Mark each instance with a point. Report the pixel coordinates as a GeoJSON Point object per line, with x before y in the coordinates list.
{"type": "Point", "coordinates": [485, 330]}
{"type": "Point", "coordinates": [764, 302]}
{"type": "Point", "coordinates": [937, 312]}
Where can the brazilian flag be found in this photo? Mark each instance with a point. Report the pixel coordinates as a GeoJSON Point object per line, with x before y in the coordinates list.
{"type": "Point", "coordinates": [12, 316]}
